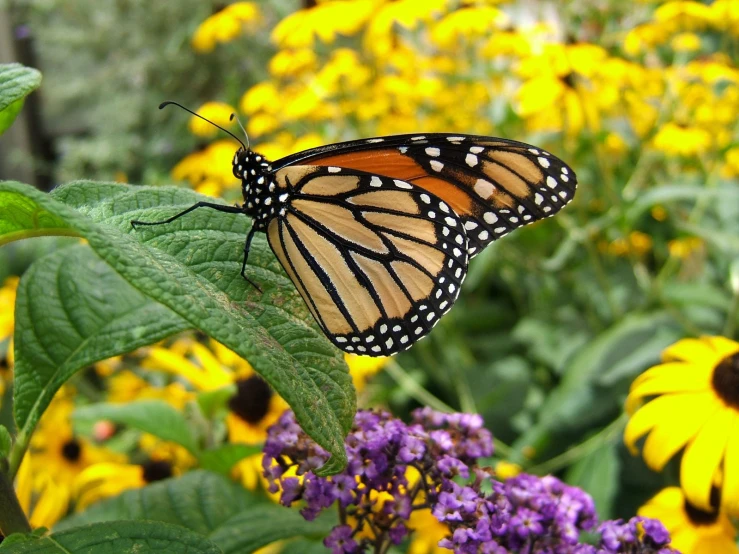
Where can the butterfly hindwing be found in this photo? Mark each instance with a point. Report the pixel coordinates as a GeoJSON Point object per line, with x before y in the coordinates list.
{"type": "Point", "coordinates": [494, 185]}
{"type": "Point", "coordinates": [378, 260]}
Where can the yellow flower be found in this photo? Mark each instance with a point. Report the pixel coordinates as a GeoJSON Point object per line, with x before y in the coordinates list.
{"type": "Point", "coordinates": [7, 307]}
{"type": "Point", "coordinates": [209, 170]}
{"type": "Point", "coordinates": [659, 213]}
{"type": "Point", "coordinates": [683, 248]}
{"type": "Point", "coordinates": [324, 21]}
{"type": "Point", "coordinates": [473, 22]}
{"type": "Point", "coordinates": [225, 25]}
{"type": "Point", "coordinates": [696, 409]}
{"type": "Point", "coordinates": [683, 15]}
{"type": "Point", "coordinates": [253, 406]}
{"type": "Point", "coordinates": [673, 139]}
{"type": "Point", "coordinates": [44, 500]}
{"type": "Point", "coordinates": [381, 37]}
{"type": "Point", "coordinates": [56, 457]}
{"type": "Point", "coordinates": [103, 480]}
{"type": "Point", "coordinates": [692, 529]}
{"type": "Point", "coordinates": [686, 42]}
{"type": "Point", "coordinates": [293, 62]}
{"type": "Point", "coordinates": [127, 386]}
{"type": "Point", "coordinates": [218, 112]}
{"type": "Point", "coordinates": [361, 368]}
{"type": "Point", "coordinates": [427, 532]}
{"type": "Point", "coordinates": [731, 163]}
{"type": "Point", "coordinates": [505, 470]}
{"type": "Point", "coordinates": [637, 243]}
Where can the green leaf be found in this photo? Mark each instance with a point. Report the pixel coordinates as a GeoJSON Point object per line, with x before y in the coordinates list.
{"type": "Point", "coordinates": [263, 525]}
{"type": "Point", "coordinates": [16, 82]}
{"type": "Point", "coordinates": [214, 401]}
{"type": "Point", "coordinates": [151, 416]}
{"type": "Point", "coordinates": [582, 397]}
{"type": "Point", "coordinates": [199, 500]}
{"type": "Point", "coordinates": [674, 193]}
{"type": "Point", "coordinates": [8, 115]}
{"type": "Point", "coordinates": [223, 458]}
{"type": "Point", "coordinates": [73, 310]}
{"type": "Point", "coordinates": [192, 267]}
{"type": "Point", "coordinates": [5, 441]}
{"type": "Point", "coordinates": [598, 475]}
{"type": "Point", "coordinates": [117, 537]}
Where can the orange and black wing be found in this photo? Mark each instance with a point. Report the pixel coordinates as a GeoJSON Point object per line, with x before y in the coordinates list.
{"type": "Point", "coordinates": [377, 260]}
{"type": "Point", "coordinates": [494, 185]}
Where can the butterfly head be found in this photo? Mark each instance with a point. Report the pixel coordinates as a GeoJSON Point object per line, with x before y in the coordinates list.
{"type": "Point", "coordinates": [249, 165]}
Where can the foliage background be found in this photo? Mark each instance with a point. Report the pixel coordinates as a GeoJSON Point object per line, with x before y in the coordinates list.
{"type": "Point", "coordinates": [554, 323]}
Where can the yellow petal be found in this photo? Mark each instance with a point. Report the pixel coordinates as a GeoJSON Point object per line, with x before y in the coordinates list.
{"type": "Point", "coordinates": [51, 504]}
{"type": "Point", "coordinates": [685, 539]}
{"type": "Point", "coordinates": [651, 414]}
{"type": "Point", "coordinates": [666, 506]}
{"type": "Point", "coordinates": [730, 489]}
{"type": "Point", "coordinates": [694, 380]}
{"type": "Point", "coordinates": [712, 544]}
{"type": "Point", "coordinates": [722, 346]}
{"type": "Point", "coordinates": [677, 371]}
{"type": "Point", "coordinates": [678, 428]}
{"type": "Point", "coordinates": [161, 359]}
{"type": "Point", "coordinates": [691, 350]}
{"type": "Point", "coordinates": [703, 456]}
{"type": "Point", "coordinates": [218, 377]}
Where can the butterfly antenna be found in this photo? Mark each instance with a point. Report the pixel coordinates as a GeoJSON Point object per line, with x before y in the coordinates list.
{"type": "Point", "coordinates": [233, 116]}
{"type": "Point", "coordinates": [168, 102]}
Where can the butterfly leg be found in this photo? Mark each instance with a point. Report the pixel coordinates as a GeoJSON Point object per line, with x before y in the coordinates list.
{"type": "Point", "coordinates": [211, 205]}
{"type": "Point", "coordinates": [247, 246]}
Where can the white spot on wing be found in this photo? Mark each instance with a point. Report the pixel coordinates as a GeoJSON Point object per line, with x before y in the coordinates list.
{"type": "Point", "coordinates": [490, 218]}
{"type": "Point", "coordinates": [436, 165]}
{"type": "Point", "coordinates": [332, 169]}
{"type": "Point", "coordinates": [471, 160]}
{"type": "Point", "coordinates": [375, 181]}
{"type": "Point", "coordinates": [434, 152]}
{"type": "Point", "coordinates": [484, 188]}
{"type": "Point", "coordinates": [543, 162]}
{"type": "Point", "coordinates": [402, 184]}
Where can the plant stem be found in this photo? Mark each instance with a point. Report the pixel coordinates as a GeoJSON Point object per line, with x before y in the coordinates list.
{"type": "Point", "coordinates": [12, 518]}
{"type": "Point", "coordinates": [414, 389]}
{"type": "Point", "coordinates": [581, 450]}
{"type": "Point", "coordinates": [17, 452]}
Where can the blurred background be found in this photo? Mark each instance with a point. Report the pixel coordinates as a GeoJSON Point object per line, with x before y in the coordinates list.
{"type": "Point", "coordinates": [641, 98]}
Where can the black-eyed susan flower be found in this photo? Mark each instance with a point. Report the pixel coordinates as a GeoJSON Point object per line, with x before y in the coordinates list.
{"type": "Point", "coordinates": [695, 408]}
{"type": "Point", "coordinates": [106, 479]}
{"type": "Point", "coordinates": [252, 407]}
{"type": "Point", "coordinates": [57, 457]}
{"type": "Point", "coordinates": [693, 530]}
{"type": "Point", "coordinates": [225, 25]}
{"type": "Point", "coordinates": [7, 321]}
{"type": "Point", "coordinates": [42, 498]}
{"type": "Point", "coordinates": [682, 140]}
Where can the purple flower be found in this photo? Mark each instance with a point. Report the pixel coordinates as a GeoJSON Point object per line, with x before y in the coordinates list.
{"type": "Point", "coordinates": [340, 540]}
{"type": "Point", "coordinates": [525, 514]}
{"type": "Point", "coordinates": [615, 534]}
{"type": "Point", "coordinates": [655, 533]}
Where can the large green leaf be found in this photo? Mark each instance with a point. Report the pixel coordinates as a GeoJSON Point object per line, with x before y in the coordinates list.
{"type": "Point", "coordinates": [211, 505]}
{"type": "Point", "coordinates": [199, 500]}
{"type": "Point", "coordinates": [16, 82]}
{"type": "Point", "coordinates": [598, 475]}
{"type": "Point", "coordinates": [115, 537]}
{"type": "Point", "coordinates": [151, 416]}
{"type": "Point", "coordinates": [73, 310]}
{"type": "Point", "coordinates": [192, 267]}
{"type": "Point", "coordinates": [263, 525]}
{"type": "Point", "coordinates": [587, 393]}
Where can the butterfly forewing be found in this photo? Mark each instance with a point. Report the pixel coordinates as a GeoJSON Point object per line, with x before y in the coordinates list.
{"type": "Point", "coordinates": [493, 185]}
{"type": "Point", "coordinates": [377, 259]}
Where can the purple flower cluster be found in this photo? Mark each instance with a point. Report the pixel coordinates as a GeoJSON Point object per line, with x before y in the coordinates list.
{"type": "Point", "coordinates": [432, 463]}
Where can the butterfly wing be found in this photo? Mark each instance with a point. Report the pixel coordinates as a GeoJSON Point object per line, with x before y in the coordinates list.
{"type": "Point", "coordinates": [377, 260]}
{"type": "Point", "coordinates": [494, 185]}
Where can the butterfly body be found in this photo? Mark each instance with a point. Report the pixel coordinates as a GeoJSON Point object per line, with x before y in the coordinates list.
{"type": "Point", "coordinates": [377, 234]}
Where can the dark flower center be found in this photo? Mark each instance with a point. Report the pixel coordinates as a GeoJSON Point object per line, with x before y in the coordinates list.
{"type": "Point", "coordinates": [251, 401]}
{"type": "Point", "coordinates": [72, 450]}
{"type": "Point", "coordinates": [701, 517]}
{"type": "Point", "coordinates": [156, 470]}
{"type": "Point", "coordinates": [726, 380]}
{"type": "Point", "coordinates": [569, 80]}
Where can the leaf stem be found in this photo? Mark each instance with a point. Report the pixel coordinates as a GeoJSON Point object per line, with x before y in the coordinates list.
{"type": "Point", "coordinates": [580, 450]}
{"type": "Point", "coordinates": [17, 452]}
{"type": "Point", "coordinates": [12, 518]}
{"type": "Point", "coordinates": [31, 233]}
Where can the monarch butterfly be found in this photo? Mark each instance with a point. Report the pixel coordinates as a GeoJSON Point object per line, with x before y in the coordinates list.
{"type": "Point", "coordinates": [376, 234]}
